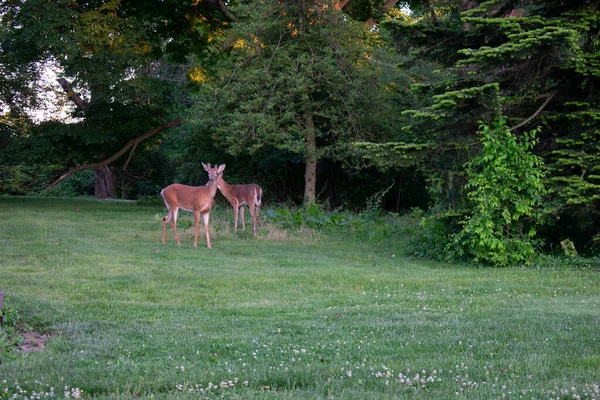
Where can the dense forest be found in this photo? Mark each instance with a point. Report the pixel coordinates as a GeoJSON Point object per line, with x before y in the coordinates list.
{"type": "Point", "coordinates": [481, 116]}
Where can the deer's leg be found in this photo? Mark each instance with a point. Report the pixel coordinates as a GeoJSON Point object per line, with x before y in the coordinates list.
{"type": "Point", "coordinates": [166, 220]}
{"type": "Point", "coordinates": [236, 208]}
{"type": "Point", "coordinates": [207, 229]}
{"type": "Point", "coordinates": [257, 213]}
{"type": "Point", "coordinates": [243, 219]}
{"type": "Point", "coordinates": [253, 214]}
{"type": "Point", "coordinates": [257, 203]}
{"type": "Point", "coordinates": [197, 224]}
{"type": "Point", "coordinates": [174, 212]}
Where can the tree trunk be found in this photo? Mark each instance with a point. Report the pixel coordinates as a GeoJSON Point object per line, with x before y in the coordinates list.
{"type": "Point", "coordinates": [434, 16]}
{"type": "Point", "coordinates": [310, 175]}
{"type": "Point", "coordinates": [105, 183]}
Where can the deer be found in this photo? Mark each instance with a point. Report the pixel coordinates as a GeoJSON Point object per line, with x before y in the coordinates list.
{"type": "Point", "coordinates": [197, 199]}
{"type": "Point", "coordinates": [240, 196]}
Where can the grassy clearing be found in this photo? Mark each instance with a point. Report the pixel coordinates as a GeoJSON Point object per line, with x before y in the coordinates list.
{"type": "Point", "coordinates": [288, 315]}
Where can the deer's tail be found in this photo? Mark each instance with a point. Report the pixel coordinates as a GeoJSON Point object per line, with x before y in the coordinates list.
{"type": "Point", "coordinates": [167, 217]}
{"type": "Point", "coordinates": [258, 196]}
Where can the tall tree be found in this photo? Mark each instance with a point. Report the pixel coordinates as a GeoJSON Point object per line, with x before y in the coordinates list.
{"type": "Point", "coordinates": [117, 61]}
{"type": "Point", "coordinates": [295, 75]}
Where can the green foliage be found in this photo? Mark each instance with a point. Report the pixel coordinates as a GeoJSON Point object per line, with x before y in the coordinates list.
{"type": "Point", "coordinates": [387, 155]}
{"type": "Point", "coordinates": [372, 224]}
{"type": "Point", "coordinates": [574, 166]}
{"type": "Point", "coordinates": [80, 184]}
{"type": "Point", "coordinates": [538, 63]}
{"type": "Point", "coordinates": [430, 236]}
{"type": "Point", "coordinates": [13, 180]}
{"type": "Point", "coordinates": [28, 179]}
{"type": "Point", "coordinates": [313, 216]}
{"type": "Point", "coordinates": [279, 71]}
{"type": "Point", "coordinates": [506, 182]}
{"type": "Point", "coordinates": [10, 338]}
{"type": "Point", "coordinates": [288, 73]}
{"type": "Point", "coordinates": [374, 203]}
{"type": "Point", "coordinates": [118, 57]}
{"type": "Point", "coordinates": [547, 261]}
{"type": "Point", "coordinates": [568, 248]}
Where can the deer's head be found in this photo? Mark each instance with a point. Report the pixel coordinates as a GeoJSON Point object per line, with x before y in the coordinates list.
{"type": "Point", "coordinates": [214, 173]}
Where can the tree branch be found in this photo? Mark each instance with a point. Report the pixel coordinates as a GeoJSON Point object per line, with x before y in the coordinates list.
{"type": "Point", "coordinates": [386, 7]}
{"type": "Point", "coordinates": [226, 11]}
{"type": "Point", "coordinates": [132, 144]}
{"type": "Point", "coordinates": [72, 95]}
{"type": "Point", "coordinates": [432, 11]}
{"type": "Point", "coordinates": [549, 97]}
{"type": "Point", "coordinates": [129, 158]}
{"type": "Point", "coordinates": [129, 145]}
{"type": "Point", "coordinates": [340, 4]}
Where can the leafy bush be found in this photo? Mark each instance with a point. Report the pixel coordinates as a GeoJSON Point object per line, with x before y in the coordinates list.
{"type": "Point", "coordinates": [78, 184]}
{"type": "Point", "coordinates": [430, 237]}
{"type": "Point", "coordinates": [31, 179]}
{"type": "Point", "coordinates": [506, 182]}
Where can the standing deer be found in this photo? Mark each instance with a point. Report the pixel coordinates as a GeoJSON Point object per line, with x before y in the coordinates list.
{"type": "Point", "coordinates": [240, 196]}
{"type": "Point", "coordinates": [197, 199]}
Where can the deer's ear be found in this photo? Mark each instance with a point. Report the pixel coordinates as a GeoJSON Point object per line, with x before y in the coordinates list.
{"type": "Point", "coordinates": [206, 168]}
{"type": "Point", "coordinates": [221, 167]}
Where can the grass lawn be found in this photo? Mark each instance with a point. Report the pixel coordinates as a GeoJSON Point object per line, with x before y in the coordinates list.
{"type": "Point", "coordinates": [298, 315]}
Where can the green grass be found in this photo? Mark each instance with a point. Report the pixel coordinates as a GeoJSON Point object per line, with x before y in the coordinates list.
{"type": "Point", "coordinates": [287, 315]}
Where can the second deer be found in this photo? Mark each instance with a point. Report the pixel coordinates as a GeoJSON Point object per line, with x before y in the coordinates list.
{"type": "Point", "coordinates": [240, 196]}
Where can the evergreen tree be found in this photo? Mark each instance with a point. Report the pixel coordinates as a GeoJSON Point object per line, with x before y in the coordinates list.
{"type": "Point", "coordinates": [536, 62]}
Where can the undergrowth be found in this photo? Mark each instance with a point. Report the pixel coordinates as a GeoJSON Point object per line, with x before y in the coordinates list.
{"type": "Point", "coordinates": [10, 338]}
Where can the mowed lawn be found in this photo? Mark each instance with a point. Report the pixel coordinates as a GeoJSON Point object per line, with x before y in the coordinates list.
{"type": "Point", "coordinates": [288, 315]}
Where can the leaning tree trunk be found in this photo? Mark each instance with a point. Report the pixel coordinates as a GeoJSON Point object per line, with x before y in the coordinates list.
{"type": "Point", "coordinates": [105, 183]}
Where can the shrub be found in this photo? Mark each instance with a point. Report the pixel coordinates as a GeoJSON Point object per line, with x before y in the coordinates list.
{"type": "Point", "coordinates": [430, 236]}
{"type": "Point", "coordinates": [506, 182]}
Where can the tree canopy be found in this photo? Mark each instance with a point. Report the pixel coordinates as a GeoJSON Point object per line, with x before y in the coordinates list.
{"type": "Point", "coordinates": [295, 76]}
{"type": "Point", "coordinates": [124, 66]}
